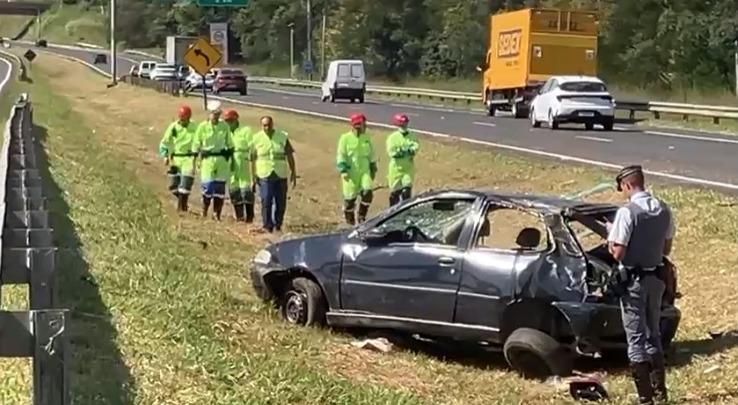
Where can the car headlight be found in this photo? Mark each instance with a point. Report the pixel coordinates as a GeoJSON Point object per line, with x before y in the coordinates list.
{"type": "Point", "coordinates": [263, 257]}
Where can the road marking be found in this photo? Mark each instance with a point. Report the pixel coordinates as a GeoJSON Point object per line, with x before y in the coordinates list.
{"type": "Point", "coordinates": [7, 75]}
{"type": "Point", "coordinates": [684, 136]}
{"type": "Point", "coordinates": [485, 124]}
{"type": "Point", "coordinates": [538, 152]}
{"type": "Point", "coordinates": [593, 138]}
{"type": "Point", "coordinates": [420, 107]}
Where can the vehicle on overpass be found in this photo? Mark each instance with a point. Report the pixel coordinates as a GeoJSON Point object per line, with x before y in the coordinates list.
{"type": "Point", "coordinates": [523, 274]}
{"type": "Point", "coordinates": [227, 79]}
{"type": "Point", "coordinates": [345, 79]}
{"type": "Point", "coordinates": [577, 99]}
{"type": "Point", "coordinates": [527, 47]}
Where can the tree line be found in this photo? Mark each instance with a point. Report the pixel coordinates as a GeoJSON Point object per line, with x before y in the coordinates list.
{"type": "Point", "coordinates": [667, 44]}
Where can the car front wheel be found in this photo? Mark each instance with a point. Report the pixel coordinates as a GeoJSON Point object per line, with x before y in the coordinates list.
{"type": "Point", "coordinates": [535, 354]}
{"type": "Point", "coordinates": [302, 303]}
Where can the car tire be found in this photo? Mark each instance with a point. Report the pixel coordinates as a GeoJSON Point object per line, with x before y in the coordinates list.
{"type": "Point", "coordinates": [533, 121]}
{"type": "Point", "coordinates": [361, 99]}
{"type": "Point", "coordinates": [535, 354]}
{"type": "Point", "coordinates": [589, 126]}
{"type": "Point", "coordinates": [302, 303]}
{"type": "Point", "coordinates": [518, 110]}
{"type": "Point", "coordinates": [609, 124]}
{"type": "Point", "coordinates": [552, 123]}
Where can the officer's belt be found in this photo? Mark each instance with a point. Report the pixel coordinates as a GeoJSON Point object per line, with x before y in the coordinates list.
{"type": "Point", "coordinates": [223, 153]}
{"type": "Point", "coordinates": [640, 271]}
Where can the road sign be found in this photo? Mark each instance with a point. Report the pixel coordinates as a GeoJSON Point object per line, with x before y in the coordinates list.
{"type": "Point", "coordinates": [202, 56]}
{"type": "Point", "coordinates": [30, 55]}
{"type": "Point", "coordinates": [212, 3]}
{"type": "Point", "coordinates": [308, 66]}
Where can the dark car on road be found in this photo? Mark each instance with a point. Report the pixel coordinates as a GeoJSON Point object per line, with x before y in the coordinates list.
{"type": "Point", "coordinates": [523, 274]}
{"type": "Point", "coordinates": [230, 80]}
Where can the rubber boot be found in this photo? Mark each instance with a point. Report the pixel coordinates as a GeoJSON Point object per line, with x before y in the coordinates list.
{"type": "Point", "coordinates": [363, 209]}
{"type": "Point", "coordinates": [205, 206]}
{"type": "Point", "coordinates": [180, 206]}
{"type": "Point", "coordinates": [184, 198]}
{"type": "Point", "coordinates": [641, 373]}
{"type": "Point", "coordinates": [249, 208]}
{"type": "Point", "coordinates": [217, 207]}
{"type": "Point", "coordinates": [238, 211]}
{"type": "Point", "coordinates": [350, 218]}
{"type": "Point", "coordinates": [658, 379]}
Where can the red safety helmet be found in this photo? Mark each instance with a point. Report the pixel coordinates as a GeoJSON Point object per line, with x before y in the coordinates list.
{"type": "Point", "coordinates": [230, 115]}
{"type": "Point", "coordinates": [400, 119]}
{"type": "Point", "coordinates": [184, 112]}
{"type": "Point", "coordinates": [357, 118]}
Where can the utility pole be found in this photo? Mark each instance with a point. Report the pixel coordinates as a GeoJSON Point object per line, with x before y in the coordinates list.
{"type": "Point", "coordinates": [38, 25]}
{"type": "Point", "coordinates": [113, 53]}
{"type": "Point", "coordinates": [309, 36]}
{"type": "Point", "coordinates": [736, 64]}
{"type": "Point", "coordinates": [322, 49]}
{"type": "Point", "coordinates": [292, 50]}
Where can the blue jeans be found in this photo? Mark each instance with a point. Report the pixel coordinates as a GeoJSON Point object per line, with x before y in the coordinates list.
{"type": "Point", "coordinates": [273, 193]}
{"type": "Point", "coordinates": [641, 312]}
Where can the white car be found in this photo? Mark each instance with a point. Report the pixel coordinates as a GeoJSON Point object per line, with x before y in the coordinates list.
{"type": "Point", "coordinates": [163, 71]}
{"type": "Point", "coordinates": [145, 68]}
{"type": "Point", "coordinates": [576, 99]}
{"type": "Point", "coordinates": [194, 80]}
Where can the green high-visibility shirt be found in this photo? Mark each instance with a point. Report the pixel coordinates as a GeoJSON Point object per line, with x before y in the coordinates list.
{"type": "Point", "coordinates": [241, 163]}
{"type": "Point", "coordinates": [177, 143]}
{"type": "Point", "coordinates": [213, 138]}
{"type": "Point", "coordinates": [355, 154]}
{"type": "Point", "coordinates": [271, 154]}
{"type": "Point", "coordinates": [401, 148]}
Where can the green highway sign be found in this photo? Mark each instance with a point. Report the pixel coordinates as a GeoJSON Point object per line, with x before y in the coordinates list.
{"type": "Point", "coordinates": [212, 3]}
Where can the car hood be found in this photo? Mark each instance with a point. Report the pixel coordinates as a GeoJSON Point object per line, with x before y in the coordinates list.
{"type": "Point", "coordinates": [308, 251]}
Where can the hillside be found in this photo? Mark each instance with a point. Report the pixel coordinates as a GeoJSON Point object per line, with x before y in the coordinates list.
{"type": "Point", "coordinates": [63, 23]}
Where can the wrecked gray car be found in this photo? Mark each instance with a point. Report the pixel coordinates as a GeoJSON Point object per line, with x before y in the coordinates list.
{"type": "Point", "coordinates": [519, 273]}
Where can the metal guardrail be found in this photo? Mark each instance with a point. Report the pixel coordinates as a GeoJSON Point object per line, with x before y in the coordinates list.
{"type": "Point", "coordinates": [171, 87]}
{"type": "Point", "coordinates": [28, 256]}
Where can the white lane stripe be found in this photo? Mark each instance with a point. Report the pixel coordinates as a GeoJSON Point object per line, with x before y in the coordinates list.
{"type": "Point", "coordinates": [6, 79]}
{"type": "Point", "coordinates": [565, 158]}
{"type": "Point", "coordinates": [684, 136]}
{"type": "Point", "coordinates": [422, 107]}
{"type": "Point", "coordinates": [485, 124]}
{"type": "Point", "coordinates": [593, 138]}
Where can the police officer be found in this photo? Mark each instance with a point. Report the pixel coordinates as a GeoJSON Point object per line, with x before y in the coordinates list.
{"type": "Point", "coordinates": [639, 238]}
{"type": "Point", "coordinates": [357, 164]}
{"type": "Point", "coordinates": [241, 184]}
{"type": "Point", "coordinates": [402, 145]}
{"type": "Point", "coordinates": [273, 155]}
{"type": "Point", "coordinates": [214, 145]}
{"type": "Point", "coordinates": [176, 148]}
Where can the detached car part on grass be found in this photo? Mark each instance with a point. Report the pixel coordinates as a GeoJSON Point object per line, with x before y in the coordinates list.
{"type": "Point", "coordinates": [420, 268]}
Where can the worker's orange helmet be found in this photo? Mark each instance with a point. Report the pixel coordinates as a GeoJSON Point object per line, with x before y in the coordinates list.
{"type": "Point", "coordinates": [400, 119]}
{"type": "Point", "coordinates": [185, 112]}
{"type": "Point", "coordinates": [357, 118]}
{"type": "Point", "coordinates": [230, 115]}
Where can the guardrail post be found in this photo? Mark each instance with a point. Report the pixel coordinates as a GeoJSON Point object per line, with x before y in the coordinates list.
{"type": "Point", "coordinates": [50, 358]}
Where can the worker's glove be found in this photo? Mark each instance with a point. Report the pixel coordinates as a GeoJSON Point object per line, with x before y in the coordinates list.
{"type": "Point", "coordinates": [163, 151]}
{"type": "Point", "coordinates": [412, 149]}
{"type": "Point", "coordinates": [343, 167]}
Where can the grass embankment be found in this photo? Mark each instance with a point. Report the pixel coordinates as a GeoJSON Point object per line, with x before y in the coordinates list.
{"type": "Point", "coordinates": [11, 25]}
{"type": "Point", "coordinates": [62, 24]}
{"type": "Point", "coordinates": [162, 310]}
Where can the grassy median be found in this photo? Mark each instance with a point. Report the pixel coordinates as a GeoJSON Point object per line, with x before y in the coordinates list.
{"type": "Point", "coordinates": [163, 312]}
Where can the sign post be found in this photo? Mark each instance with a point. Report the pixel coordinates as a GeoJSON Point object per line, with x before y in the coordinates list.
{"type": "Point", "coordinates": [202, 57]}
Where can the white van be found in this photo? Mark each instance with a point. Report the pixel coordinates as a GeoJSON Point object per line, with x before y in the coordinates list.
{"type": "Point", "coordinates": [345, 80]}
{"type": "Point", "coordinates": [145, 68]}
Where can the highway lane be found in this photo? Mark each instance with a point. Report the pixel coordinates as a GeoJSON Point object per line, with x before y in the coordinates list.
{"type": "Point", "coordinates": [6, 70]}
{"type": "Point", "coordinates": [708, 159]}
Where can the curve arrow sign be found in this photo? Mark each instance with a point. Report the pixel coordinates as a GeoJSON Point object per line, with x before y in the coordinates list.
{"type": "Point", "coordinates": [202, 54]}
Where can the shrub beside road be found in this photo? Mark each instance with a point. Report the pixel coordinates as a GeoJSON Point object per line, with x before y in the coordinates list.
{"type": "Point", "coordinates": [162, 308]}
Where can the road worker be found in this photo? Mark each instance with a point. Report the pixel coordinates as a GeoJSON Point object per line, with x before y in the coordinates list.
{"type": "Point", "coordinates": [214, 146]}
{"type": "Point", "coordinates": [639, 237]}
{"type": "Point", "coordinates": [402, 145]}
{"type": "Point", "coordinates": [176, 148]}
{"type": "Point", "coordinates": [273, 155]}
{"type": "Point", "coordinates": [357, 164]}
{"type": "Point", "coordinates": [241, 184]}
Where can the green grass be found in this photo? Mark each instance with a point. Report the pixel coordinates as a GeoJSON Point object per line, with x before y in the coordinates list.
{"type": "Point", "coordinates": [66, 24]}
{"type": "Point", "coordinates": [11, 25]}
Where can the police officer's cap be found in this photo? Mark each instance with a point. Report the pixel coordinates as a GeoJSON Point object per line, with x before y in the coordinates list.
{"type": "Point", "coordinates": [627, 171]}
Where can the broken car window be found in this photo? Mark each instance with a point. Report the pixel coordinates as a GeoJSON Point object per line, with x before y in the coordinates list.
{"type": "Point", "coordinates": [512, 229]}
{"type": "Point", "coordinates": [440, 221]}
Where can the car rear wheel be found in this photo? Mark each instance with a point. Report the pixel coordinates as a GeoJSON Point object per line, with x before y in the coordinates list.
{"type": "Point", "coordinates": [533, 121]}
{"type": "Point", "coordinates": [609, 124]}
{"type": "Point", "coordinates": [552, 123]}
{"type": "Point", "coordinates": [535, 354]}
{"type": "Point", "coordinates": [302, 303]}
{"type": "Point", "coordinates": [589, 126]}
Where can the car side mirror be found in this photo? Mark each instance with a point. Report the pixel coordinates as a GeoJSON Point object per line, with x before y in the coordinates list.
{"type": "Point", "coordinates": [374, 237]}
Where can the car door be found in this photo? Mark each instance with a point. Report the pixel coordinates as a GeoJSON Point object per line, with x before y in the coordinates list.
{"type": "Point", "coordinates": [506, 249]}
{"type": "Point", "coordinates": [539, 107]}
{"type": "Point", "coordinates": [409, 276]}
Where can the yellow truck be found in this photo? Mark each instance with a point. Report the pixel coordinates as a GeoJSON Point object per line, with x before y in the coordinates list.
{"type": "Point", "coordinates": [528, 46]}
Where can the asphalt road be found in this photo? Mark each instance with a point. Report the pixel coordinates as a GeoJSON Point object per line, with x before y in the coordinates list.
{"type": "Point", "coordinates": [5, 72]}
{"type": "Point", "coordinates": [683, 156]}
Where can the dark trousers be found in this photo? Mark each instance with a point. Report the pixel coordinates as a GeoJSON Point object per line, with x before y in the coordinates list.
{"type": "Point", "coordinates": [273, 193]}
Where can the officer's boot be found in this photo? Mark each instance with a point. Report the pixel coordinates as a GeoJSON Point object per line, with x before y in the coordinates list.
{"type": "Point", "coordinates": [205, 206]}
{"type": "Point", "coordinates": [238, 210]}
{"type": "Point", "coordinates": [217, 207]}
{"type": "Point", "coordinates": [249, 208]}
{"type": "Point", "coordinates": [658, 378]}
{"type": "Point", "coordinates": [350, 218]}
{"type": "Point", "coordinates": [641, 373]}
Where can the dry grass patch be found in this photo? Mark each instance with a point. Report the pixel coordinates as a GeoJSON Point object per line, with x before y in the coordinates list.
{"type": "Point", "coordinates": [127, 124]}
